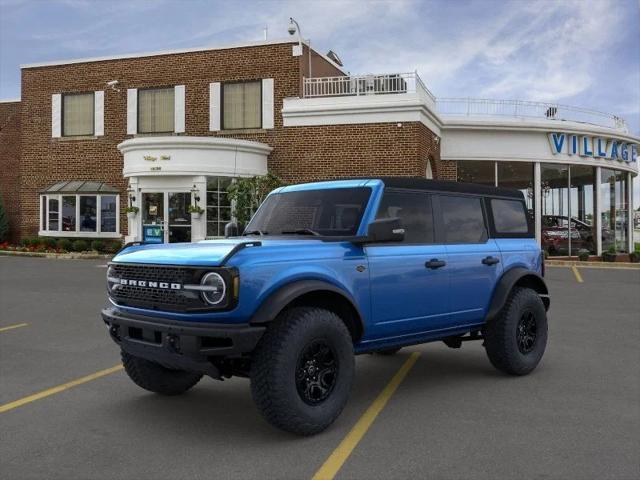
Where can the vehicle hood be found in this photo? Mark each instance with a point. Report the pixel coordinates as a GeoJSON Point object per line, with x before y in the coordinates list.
{"type": "Point", "coordinates": [209, 252]}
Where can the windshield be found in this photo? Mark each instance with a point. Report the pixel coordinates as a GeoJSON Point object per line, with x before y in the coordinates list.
{"type": "Point", "coordinates": [326, 212]}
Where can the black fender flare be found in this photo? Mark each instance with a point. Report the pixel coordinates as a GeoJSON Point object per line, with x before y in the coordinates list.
{"type": "Point", "coordinates": [516, 276]}
{"type": "Point", "coordinates": [278, 300]}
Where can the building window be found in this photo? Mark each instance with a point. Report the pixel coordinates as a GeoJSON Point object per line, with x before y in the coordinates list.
{"type": "Point", "coordinates": [78, 114]}
{"type": "Point", "coordinates": [69, 215]}
{"type": "Point", "coordinates": [218, 205]}
{"type": "Point", "coordinates": [242, 105]}
{"type": "Point", "coordinates": [477, 171]}
{"type": "Point", "coordinates": [156, 110]}
{"type": "Point", "coordinates": [555, 208]}
{"type": "Point", "coordinates": [582, 208]}
{"type": "Point", "coordinates": [519, 176]}
{"type": "Point", "coordinates": [615, 210]}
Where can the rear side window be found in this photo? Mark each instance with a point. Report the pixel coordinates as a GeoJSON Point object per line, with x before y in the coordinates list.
{"type": "Point", "coordinates": [462, 219]}
{"type": "Point", "coordinates": [509, 216]}
{"type": "Point", "coordinates": [413, 210]}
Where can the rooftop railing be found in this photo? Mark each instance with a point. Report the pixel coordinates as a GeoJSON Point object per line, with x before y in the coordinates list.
{"type": "Point", "coordinates": [399, 83]}
{"type": "Point", "coordinates": [520, 108]}
{"type": "Point", "coordinates": [356, 85]}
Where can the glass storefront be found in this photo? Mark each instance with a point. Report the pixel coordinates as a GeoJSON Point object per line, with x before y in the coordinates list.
{"type": "Point", "coordinates": [568, 202]}
{"type": "Point", "coordinates": [614, 210]}
{"type": "Point", "coordinates": [218, 205]}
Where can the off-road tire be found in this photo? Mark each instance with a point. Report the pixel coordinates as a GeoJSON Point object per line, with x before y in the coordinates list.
{"type": "Point", "coordinates": [276, 362]}
{"type": "Point", "coordinates": [501, 333]}
{"type": "Point", "coordinates": [389, 351]}
{"type": "Point", "coordinates": [156, 378]}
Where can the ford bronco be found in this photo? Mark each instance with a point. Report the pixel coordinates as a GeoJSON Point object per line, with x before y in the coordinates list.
{"type": "Point", "coordinates": [324, 271]}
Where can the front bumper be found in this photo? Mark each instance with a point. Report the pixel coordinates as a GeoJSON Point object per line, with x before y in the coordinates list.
{"type": "Point", "coordinates": [180, 345]}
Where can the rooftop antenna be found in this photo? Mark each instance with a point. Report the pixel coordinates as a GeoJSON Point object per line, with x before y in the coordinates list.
{"type": "Point", "coordinates": [266, 32]}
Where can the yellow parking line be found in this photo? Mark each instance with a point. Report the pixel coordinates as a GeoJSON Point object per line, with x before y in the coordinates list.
{"type": "Point", "coordinates": [11, 327]}
{"type": "Point", "coordinates": [60, 388]}
{"type": "Point", "coordinates": [340, 455]}
{"type": "Point", "coordinates": [577, 274]}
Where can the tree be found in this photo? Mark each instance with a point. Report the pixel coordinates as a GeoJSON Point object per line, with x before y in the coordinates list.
{"type": "Point", "coordinates": [246, 195]}
{"type": "Point", "coordinates": [4, 223]}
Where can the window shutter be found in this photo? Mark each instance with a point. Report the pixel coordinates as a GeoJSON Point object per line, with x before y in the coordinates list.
{"type": "Point", "coordinates": [132, 111]}
{"type": "Point", "coordinates": [214, 106]}
{"type": "Point", "coordinates": [98, 111]}
{"type": "Point", "coordinates": [178, 110]}
{"type": "Point", "coordinates": [267, 103]}
{"type": "Point", "coordinates": [56, 115]}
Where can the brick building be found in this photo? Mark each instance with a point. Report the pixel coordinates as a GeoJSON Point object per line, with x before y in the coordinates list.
{"type": "Point", "coordinates": [164, 130]}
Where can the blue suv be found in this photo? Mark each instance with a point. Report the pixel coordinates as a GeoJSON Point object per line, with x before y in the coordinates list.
{"type": "Point", "coordinates": [324, 271]}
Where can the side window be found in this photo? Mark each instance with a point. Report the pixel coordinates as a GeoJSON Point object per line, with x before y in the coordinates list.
{"type": "Point", "coordinates": [509, 216]}
{"type": "Point", "coordinates": [413, 210]}
{"type": "Point", "coordinates": [462, 219]}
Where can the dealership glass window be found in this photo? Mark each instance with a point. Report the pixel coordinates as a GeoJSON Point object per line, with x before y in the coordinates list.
{"type": "Point", "coordinates": [615, 210]}
{"type": "Point", "coordinates": [582, 209]}
{"type": "Point", "coordinates": [78, 215]}
{"type": "Point", "coordinates": [477, 171]}
{"type": "Point", "coordinates": [108, 213]}
{"type": "Point", "coordinates": [69, 213]}
{"type": "Point", "coordinates": [156, 110]}
{"type": "Point", "coordinates": [54, 213]}
{"type": "Point", "coordinates": [218, 205]}
{"type": "Point", "coordinates": [242, 105]}
{"type": "Point", "coordinates": [555, 208]}
{"type": "Point", "coordinates": [77, 114]}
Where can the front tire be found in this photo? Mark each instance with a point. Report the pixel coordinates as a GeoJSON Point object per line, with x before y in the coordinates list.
{"type": "Point", "coordinates": [302, 370]}
{"type": "Point", "coordinates": [156, 378]}
{"type": "Point", "coordinates": [516, 338]}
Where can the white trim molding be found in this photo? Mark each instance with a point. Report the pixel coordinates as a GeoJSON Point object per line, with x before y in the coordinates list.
{"type": "Point", "coordinates": [56, 115]}
{"type": "Point", "coordinates": [214, 107]}
{"type": "Point", "coordinates": [179, 108]}
{"type": "Point", "coordinates": [267, 103]}
{"type": "Point", "coordinates": [132, 111]}
{"type": "Point", "coordinates": [98, 112]}
{"type": "Point", "coordinates": [183, 155]}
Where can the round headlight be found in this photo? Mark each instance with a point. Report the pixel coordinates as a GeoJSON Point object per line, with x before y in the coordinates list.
{"type": "Point", "coordinates": [111, 280]}
{"type": "Point", "coordinates": [214, 288]}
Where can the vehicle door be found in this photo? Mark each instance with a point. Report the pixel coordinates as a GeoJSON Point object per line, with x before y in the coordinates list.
{"type": "Point", "coordinates": [473, 259]}
{"type": "Point", "coordinates": [409, 280]}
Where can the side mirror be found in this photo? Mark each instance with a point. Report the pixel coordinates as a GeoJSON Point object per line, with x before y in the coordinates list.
{"type": "Point", "coordinates": [231, 230]}
{"type": "Point", "coordinates": [385, 230]}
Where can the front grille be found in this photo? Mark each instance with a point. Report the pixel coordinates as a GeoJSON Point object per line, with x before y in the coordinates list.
{"type": "Point", "coordinates": [157, 298]}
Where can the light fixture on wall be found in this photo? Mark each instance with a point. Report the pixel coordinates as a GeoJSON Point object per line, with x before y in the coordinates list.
{"type": "Point", "coordinates": [132, 197]}
{"type": "Point", "coordinates": [294, 28]}
{"type": "Point", "coordinates": [196, 194]}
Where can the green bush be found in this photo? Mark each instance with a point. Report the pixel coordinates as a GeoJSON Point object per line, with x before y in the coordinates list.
{"type": "Point", "coordinates": [65, 244]}
{"type": "Point", "coordinates": [113, 246]}
{"type": "Point", "coordinates": [4, 223]}
{"type": "Point", "coordinates": [583, 254]}
{"type": "Point", "coordinates": [97, 245]}
{"type": "Point", "coordinates": [28, 242]}
{"type": "Point", "coordinates": [80, 246]}
{"type": "Point", "coordinates": [48, 242]}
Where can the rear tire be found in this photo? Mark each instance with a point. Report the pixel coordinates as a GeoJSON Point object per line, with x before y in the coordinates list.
{"type": "Point", "coordinates": [302, 370]}
{"type": "Point", "coordinates": [156, 378]}
{"type": "Point", "coordinates": [516, 338]}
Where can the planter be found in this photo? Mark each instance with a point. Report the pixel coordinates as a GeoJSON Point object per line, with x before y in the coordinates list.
{"type": "Point", "coordinates": [196, 215]}
{"type": "Point", "coordinates": [634, 257]}
{"type": "Point", "coordinates": [609, 257]}
{"type": "Point", "coordinates": [131, 216]}
{"type": "Point", "coordinates": [583, 255]}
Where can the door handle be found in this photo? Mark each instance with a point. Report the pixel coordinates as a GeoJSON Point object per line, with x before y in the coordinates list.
{"type": "Point", "coordinates": [490, 260]}
{"type": "Point", "coordinates": [435, 263]}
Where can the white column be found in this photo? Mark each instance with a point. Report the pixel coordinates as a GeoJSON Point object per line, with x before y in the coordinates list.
{"type": "Point", "coordinates": [598, 212]}
{"type": "Point", "coordinates": [134, 226]}
{"type": "Point", "coordinates": [630, 243]}
{"type": "Point", "coordinates": [537, 187]}
{"type": "Point", "coordinates": [199, 227]}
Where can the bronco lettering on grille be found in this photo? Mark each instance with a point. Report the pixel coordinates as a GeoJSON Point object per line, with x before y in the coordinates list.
{"type": "Point", "coordinates": [148, 284]}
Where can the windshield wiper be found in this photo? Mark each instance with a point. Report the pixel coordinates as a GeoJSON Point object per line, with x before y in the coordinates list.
{"type": "Point", "coordinates": [301, 231]}
{"type": "Point", "coordinates": [254, 232]}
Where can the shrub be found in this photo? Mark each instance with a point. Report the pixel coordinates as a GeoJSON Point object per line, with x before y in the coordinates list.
{"type": "Point", "coordinates": [635, 256]}
{"type": "Point", "coordinates": [80, 246]}
{"type": "Point", "coordinates": [583, 254]}
{"type": "Point", "coordinates": [29, 242]}
{"type": "Point", "coordinates": [65, 244]}
{"type": "Point", "coordinates": [112, 247]}
{"type": "Point", "coordinates": [97, 245]}
{"type": "Point", "coordinates": [4, 223]}
{"type": "Point", "coordinates": [48, 242]}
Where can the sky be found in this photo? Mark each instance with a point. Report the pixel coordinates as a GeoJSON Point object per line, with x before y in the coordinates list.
{"type": "Point", "coordinates": [577, 52]}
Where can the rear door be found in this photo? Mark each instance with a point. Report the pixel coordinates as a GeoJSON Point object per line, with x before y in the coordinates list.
{"type": "Point", "coordinates": [473, 259]}
{"type": "Point", "coordinates": [409, 280]}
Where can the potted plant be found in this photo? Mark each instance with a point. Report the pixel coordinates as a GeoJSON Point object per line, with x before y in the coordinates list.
{"type": "Point", "coordinates": [583, 254]}
{"type": "Point", "coordinates": [610, 255]}
{"type": "Point", "coordinates": [634, 257]}
{"type": "Point", "coordinates": [195, 211]}
{"type": "Point", "coordinates": [131, 212]}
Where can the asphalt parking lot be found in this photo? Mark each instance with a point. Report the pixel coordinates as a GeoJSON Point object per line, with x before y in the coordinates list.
{"type": "Point", "coordinates": [453, 416]}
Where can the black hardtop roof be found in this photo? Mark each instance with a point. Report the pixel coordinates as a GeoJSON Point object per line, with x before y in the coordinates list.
{"type": "Point", "coordinates": [419, 183]}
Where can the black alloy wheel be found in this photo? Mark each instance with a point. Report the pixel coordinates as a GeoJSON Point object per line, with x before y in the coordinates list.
{"type": "Point", "coordinates": [316, 372]}
{"type": "Point", "coordinates": [526, 332]}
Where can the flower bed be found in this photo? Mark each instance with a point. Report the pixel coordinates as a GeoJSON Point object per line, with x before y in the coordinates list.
{"type": "Point", "coordinates": [62, 245]}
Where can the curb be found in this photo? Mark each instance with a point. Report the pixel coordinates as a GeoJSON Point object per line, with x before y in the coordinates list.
{"type": "Point", "coordinates": [603, 265]}
{"type": "Point", "coordinates": [58, 256]}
